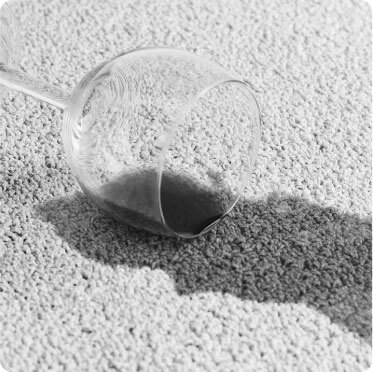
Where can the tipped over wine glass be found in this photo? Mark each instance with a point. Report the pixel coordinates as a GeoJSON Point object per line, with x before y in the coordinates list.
{"type": "Point", "coordinates": [158, 138]}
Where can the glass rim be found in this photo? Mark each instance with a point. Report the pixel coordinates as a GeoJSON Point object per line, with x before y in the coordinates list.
{"type": "Point", "coordinates": [171, 135]}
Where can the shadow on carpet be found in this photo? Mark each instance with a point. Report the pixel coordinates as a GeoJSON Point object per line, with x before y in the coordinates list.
{"type": "Point", "coordinates": [282, 250]}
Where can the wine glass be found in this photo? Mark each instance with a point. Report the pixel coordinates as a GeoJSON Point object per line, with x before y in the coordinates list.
{"type": "Point", "coordinates": [157, 138]}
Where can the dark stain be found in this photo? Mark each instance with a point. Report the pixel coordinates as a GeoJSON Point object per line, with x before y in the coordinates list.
{"type": "Point", "coordinates": [282, 250]}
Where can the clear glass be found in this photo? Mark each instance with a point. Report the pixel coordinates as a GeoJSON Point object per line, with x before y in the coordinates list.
{"type": "Point", "coordinates": [157, 138]}
{"type": "Point", "coordinates": [9, 39]}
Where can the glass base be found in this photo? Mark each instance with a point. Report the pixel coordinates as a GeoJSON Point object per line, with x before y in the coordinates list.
{"type": "Point", "coordinates": [9, 40]}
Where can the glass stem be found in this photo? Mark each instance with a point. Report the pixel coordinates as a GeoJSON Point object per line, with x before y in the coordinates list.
{"type": "Point", "coordinates": [15, 79]}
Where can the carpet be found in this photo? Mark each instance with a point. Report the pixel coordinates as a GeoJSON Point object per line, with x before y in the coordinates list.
{"type": "Point", "coordinates": [283, 284]}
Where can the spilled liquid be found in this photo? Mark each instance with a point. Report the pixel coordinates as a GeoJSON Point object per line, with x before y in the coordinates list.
{"type": "Point", "coordinates": [188, 207]}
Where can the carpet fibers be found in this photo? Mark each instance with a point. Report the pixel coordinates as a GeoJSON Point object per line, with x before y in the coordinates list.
{"type": "Point", "coordinates": [283, 284]}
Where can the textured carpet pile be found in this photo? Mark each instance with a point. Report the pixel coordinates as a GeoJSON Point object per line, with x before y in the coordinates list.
{"type": "Point", "coordinates": [284, 284]}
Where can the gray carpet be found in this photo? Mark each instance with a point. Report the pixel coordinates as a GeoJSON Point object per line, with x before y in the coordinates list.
{"type": "Point", "coordinates": [284, 284]}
